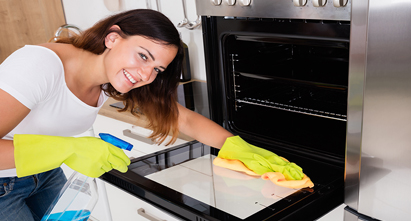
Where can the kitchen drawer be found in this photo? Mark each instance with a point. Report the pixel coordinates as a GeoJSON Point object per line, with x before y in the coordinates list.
{"type": "Point", "coordinates": [124, 206]}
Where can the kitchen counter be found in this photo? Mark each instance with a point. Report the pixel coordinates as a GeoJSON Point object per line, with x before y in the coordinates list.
{"type": "Point", "coordinates": [114, 113]}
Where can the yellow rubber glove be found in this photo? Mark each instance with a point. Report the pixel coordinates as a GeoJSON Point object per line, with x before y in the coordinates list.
{"type": "Point", "coordinates": [259, 160]}
{"type": "Point", "coordinates": [90, 156]}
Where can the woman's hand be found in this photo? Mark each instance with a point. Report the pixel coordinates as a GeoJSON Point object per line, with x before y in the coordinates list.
{"type": "Point", "coordinates": [90, 156]}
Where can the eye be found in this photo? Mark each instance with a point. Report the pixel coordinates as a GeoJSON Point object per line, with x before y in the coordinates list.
{"type": "Point", "coordinates": [143, 56]}
{"type": "Point", "coordinates": [157, 70]}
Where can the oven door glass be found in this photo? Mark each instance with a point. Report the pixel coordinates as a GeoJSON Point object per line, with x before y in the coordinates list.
{"type": "Point", "coordinates": [183, 181]}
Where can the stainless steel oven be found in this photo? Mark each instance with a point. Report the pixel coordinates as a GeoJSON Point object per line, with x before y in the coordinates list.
{"type": "Point", "coordinates": [277, 73]}
{"type": "Point", "coordinates": [325, 79]}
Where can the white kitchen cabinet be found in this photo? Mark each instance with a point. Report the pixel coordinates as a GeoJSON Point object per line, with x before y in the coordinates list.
{"type": "Point", "coordinates": [125, 206]}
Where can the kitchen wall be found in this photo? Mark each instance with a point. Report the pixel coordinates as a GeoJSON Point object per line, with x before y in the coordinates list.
{"type": "Point", "coordinates": [27, 23]}
{"type": "Point", "coordinates": [84, 14]}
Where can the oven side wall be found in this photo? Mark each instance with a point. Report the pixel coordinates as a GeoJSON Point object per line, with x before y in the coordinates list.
{"type": "Point", "coordinates": [378, 165]}
{"type": "Point", "coordinates": [357, 66]}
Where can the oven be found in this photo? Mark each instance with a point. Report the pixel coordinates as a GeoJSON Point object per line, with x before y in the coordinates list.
{"type": "Point", "coordinates": [277, 75]}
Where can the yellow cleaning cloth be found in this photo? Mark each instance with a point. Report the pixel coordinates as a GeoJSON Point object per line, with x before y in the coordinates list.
{"type": "Point", "coordinates": [275, 177]}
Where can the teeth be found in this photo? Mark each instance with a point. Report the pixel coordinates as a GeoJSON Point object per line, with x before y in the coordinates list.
{"type": "Point", "coordinates": [129, 76]}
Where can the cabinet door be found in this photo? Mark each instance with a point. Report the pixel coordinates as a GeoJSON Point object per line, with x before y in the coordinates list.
{"type": "Point", "coordinates": [125, 206]}
{"type": "Point", "coordinates": [28, 22]}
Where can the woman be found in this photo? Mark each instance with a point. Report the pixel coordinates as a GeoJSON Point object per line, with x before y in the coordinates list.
{"type": "Point", "coordinates": [53, 91]}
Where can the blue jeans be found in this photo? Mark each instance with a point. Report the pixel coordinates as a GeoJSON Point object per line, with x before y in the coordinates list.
{"type": "Point", "coordinates": [28, 198]}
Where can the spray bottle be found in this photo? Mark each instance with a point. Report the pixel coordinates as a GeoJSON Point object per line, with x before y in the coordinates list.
{"type": "Point", "coordinates": [79, 195]}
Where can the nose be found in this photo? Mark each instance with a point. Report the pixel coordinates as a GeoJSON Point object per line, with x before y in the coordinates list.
{"type": "Point", "coordinates": [145, 73]}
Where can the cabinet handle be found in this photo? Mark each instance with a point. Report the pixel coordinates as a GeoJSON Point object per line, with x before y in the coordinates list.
{"type": "Point", "coordinates": [139, 137]}
{"type": "Point", "coordinates": [143, 213]}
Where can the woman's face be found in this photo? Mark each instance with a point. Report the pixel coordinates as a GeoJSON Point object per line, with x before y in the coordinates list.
{"type": "Point", "coordinates": [135, 61]}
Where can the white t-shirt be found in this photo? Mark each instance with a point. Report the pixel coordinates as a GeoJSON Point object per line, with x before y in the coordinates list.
{"type": "Point", "coordinates": [34, 75]}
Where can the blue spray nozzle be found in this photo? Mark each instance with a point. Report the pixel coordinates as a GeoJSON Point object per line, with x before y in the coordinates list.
{"type": "Point", "coordinates": [116, 141]}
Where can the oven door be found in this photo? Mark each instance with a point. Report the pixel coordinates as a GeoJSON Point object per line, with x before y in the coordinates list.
{"type": "Point", "coordinates": [183, 181]}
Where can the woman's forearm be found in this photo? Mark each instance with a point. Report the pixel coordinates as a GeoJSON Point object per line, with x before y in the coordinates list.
{"type": "Point", "coordinates": [201, 128]}
{"type": "Point", "coordinates": [6, 154]}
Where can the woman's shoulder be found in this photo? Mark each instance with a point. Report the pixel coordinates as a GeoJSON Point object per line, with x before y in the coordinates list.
{"type": "Point", "coordinates": [58, 48]}
{"type": "Point", "coordinates": [39, 49]}
{"type": "Point", "coordinates": [40, 73]}
{"type": "Point", "coordinates": [67, 53]}
{"type": "Point", "coordinates": [32, 54]}
{"type": "Point", "coordinates": [34, 63]}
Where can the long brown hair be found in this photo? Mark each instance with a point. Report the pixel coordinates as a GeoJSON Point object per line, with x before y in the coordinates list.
{"type": "Point", "coordinates": [158, 100]}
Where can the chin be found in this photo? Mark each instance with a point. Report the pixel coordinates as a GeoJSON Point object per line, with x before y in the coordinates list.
{"type": "Point", "coordinates": [121, 89]}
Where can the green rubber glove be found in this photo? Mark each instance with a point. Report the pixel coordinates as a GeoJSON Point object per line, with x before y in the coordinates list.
{"type": "Point", "coordinates": [90, 156]}
{"type": "Point", "coordinates": [257, 159]}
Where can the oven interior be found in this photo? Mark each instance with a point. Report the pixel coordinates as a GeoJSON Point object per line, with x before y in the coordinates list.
{"type": "Point", "coordinates": [287, 90]}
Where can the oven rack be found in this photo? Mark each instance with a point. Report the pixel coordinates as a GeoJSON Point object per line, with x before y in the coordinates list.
{"type": "Point", "coordinates": [291, 108]}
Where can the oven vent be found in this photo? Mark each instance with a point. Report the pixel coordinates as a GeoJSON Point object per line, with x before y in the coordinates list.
{"type": "Point", "coordinates": [121, 183]}
{"type": "Point", "coordinates": [288, 20]}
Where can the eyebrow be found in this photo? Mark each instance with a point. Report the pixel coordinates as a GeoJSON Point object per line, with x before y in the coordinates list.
{"type": "Point", "coordinates": [152, 57]}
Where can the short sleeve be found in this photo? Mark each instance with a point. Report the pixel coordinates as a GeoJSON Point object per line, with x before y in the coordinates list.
{"type": "Point", "coordinates": [31, 74]}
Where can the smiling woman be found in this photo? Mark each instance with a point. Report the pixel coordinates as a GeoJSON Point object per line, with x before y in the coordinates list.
{"type": "Point", "coordinates": [135, 57]}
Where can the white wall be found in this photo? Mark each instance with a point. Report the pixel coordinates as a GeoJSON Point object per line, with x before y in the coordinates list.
{"type": "Point", "coordinates": [84, 14]}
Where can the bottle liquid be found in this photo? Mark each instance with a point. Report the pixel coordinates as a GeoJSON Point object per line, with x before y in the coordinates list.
{"type": "Point", "coordinates": [79, 195]}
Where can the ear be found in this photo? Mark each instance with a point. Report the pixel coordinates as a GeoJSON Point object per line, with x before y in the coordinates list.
{"type": "Point", "coordinates": [112, 36]}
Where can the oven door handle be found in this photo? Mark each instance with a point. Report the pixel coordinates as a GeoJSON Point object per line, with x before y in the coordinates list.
{"type": "Point", "coordinates": [143, 213]}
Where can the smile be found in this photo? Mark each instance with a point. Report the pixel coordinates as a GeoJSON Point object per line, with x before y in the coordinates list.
{"type": "Point", "coordinates": [129, 77]}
